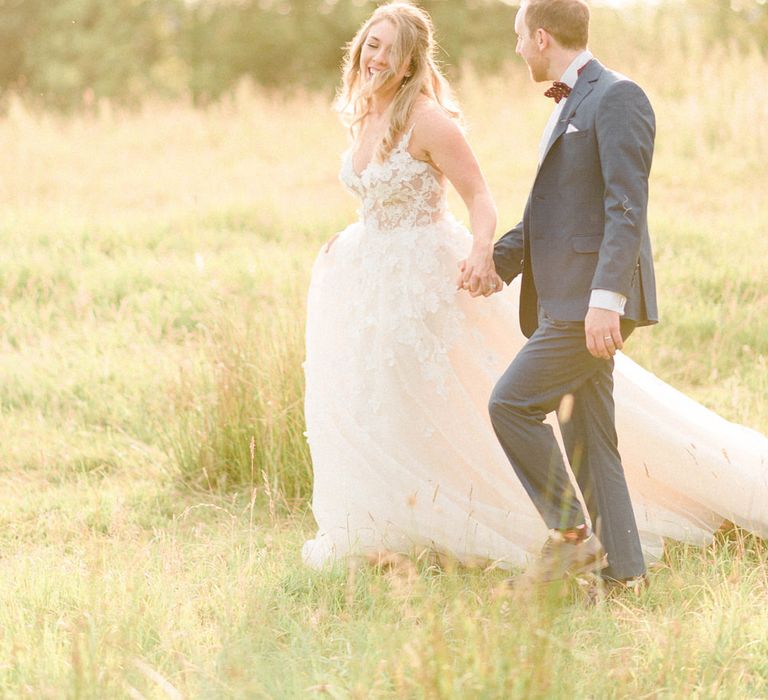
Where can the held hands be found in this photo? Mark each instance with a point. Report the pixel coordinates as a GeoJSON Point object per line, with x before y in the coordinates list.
{"type": "Point", "coordinates": [477, 274]}
{"type": "Point", "coordinates": [603, 333]}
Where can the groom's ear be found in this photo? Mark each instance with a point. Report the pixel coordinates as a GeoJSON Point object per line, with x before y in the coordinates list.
{"type": "Point", "coordinates": [542, 38]}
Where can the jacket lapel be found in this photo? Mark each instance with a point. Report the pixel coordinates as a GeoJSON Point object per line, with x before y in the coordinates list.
{"type": "Point", "coordinates": [583, 87]}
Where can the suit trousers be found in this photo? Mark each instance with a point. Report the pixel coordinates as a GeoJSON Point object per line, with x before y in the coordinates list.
{"type": "Point", "coordinates": [555, 371]}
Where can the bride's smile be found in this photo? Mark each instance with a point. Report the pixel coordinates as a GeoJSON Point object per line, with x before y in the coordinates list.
{"type": "Point", "coordinates": [376, 58]}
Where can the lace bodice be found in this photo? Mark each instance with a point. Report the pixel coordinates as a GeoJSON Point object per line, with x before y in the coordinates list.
{"type": "Point", "coordinates": [395, 269]}
{"type": "Point", "coordinates": [398, 193]}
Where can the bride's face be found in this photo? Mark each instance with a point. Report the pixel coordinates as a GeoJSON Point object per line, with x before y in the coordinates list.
{"type": "Point", "coordinates": [375, 56]}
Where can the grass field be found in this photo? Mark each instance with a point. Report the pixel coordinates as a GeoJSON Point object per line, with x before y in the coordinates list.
{"type": "Point", "coordinates": [153, 474]}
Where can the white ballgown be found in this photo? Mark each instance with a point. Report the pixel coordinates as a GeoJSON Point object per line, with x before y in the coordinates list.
{"type": "Point", "coordinates": [399, 368]}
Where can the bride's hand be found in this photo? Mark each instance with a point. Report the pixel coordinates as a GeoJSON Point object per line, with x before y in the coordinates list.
{"type": "Point", "coordinates": [477, 275]}
{"type": "Point", "coordinates": [460, 278]}
{"type": "Point", "coordinates": [491, 284]}
{"type": "Point", "coordinates": [331, 242]}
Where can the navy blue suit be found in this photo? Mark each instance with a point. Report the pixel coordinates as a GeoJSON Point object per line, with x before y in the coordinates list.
{"type": "Point", "coordinates": [584, 228]}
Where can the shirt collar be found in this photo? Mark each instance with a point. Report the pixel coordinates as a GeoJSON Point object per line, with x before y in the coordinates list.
{"type": "Point", "coordinates": [571, 74]}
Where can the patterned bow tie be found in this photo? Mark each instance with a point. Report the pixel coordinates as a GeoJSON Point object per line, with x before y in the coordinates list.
{"type": "Point", "coordinates": [558, 91]}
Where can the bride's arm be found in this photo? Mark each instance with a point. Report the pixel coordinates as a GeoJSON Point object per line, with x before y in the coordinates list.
{"type": "Point", "coordinates": [438, 139]}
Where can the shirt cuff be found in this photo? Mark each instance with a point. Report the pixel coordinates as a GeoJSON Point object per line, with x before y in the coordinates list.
{"type": "Point", "coordinates": [605, 299]}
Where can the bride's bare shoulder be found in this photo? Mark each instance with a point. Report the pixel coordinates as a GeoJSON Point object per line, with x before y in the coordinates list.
{"type": "Point", "coordinates": [427, 112]}
{"type": "Point", "coordinates": [431, 123]}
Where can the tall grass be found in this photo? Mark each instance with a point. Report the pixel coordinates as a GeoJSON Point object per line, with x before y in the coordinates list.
{"type": "Point", "coordinates": [241, 422]}
{"type": "Point", "coordinates": [212, 607]}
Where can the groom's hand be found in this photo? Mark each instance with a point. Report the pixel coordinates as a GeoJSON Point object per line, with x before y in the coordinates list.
{"type": "Point", "coordinates": [603, 333]}
{"type": "Point", "coordinates": [477, 274]}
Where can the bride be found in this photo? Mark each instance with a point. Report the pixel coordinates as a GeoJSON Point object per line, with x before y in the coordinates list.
{"type": "Point", "coordinates": [400, 364]}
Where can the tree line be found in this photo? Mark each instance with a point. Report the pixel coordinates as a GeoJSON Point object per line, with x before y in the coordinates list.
{"type": "Point", "coordinates": [67, 53]}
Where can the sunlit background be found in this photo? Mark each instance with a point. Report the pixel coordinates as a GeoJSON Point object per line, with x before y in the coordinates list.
{"type": "Point", "coordinates": [70, 54]}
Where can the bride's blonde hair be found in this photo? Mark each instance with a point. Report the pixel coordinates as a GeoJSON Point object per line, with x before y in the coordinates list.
{"type": "Point", "coordinates": [415, 44]}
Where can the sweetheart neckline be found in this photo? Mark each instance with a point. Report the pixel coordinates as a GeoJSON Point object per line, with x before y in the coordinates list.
{"type": "Point", "coordinates": [372, 162]}
{"type": "Point", "coordinates": [404, 141]}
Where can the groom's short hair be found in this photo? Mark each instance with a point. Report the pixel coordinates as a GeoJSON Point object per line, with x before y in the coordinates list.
{"type": "Point", "coordinates": [566, 20]}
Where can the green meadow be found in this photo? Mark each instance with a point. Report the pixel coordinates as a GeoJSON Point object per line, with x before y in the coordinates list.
{"type": "Point", "coordinates": [154, 479]}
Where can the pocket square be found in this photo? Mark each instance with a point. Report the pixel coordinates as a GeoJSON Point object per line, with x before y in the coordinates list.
{"type": "Point", "coordinates": [571, 129]}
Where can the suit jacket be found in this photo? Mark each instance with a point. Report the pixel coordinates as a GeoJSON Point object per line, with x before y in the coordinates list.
{"type": "Point", "coordinates": [585, 224]}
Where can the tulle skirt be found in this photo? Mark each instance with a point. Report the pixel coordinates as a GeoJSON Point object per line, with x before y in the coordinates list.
{"type": "Point", "coordinates": [399, 368]}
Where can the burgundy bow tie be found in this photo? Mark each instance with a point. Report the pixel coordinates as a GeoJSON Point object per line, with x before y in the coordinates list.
{"type": "Point", "coordinates": [558, 91]}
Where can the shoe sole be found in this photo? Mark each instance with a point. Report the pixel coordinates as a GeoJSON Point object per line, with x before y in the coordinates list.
{"type": "Point", "coordinates": [598, 563]}
{"type": "Point", "coordinates": [596, 590]}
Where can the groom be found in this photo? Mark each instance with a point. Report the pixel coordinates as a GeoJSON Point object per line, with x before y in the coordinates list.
{"type": "Point", "coordinates": [587, 281]}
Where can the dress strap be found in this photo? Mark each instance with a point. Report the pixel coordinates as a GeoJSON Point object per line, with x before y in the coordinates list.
{"type": "Point", "coordinates": [406, 138]}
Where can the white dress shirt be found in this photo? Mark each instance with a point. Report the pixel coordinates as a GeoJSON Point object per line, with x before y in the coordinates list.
{"type": "Point", "coordinates": [600, 298]}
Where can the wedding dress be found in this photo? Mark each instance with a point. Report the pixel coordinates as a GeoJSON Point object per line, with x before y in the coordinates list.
{"type": "Point", "coordinates": [399, 368]}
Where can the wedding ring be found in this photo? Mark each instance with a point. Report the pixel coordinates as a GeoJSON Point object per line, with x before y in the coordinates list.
{"type": "Point", "coordinates": [607, 337]}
